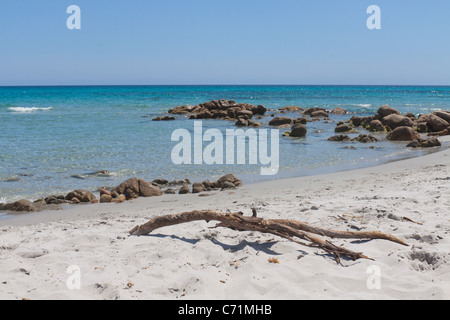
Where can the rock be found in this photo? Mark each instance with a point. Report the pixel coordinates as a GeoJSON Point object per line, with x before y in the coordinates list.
{"type": "Point", "coordinates": [343, 128]}
{"type": "Point", "coordinates": [241, 122]}
{"type": "Point", "coordinates": [169, 191]}
{"type": "Point", "coordinates": [410, 115]}
{"type": "Point", "coordinates": [161, 182]}
{"type": "Point", "coordinates": [260, 110]}
{"type": "Point", "coordinates": [445, 115]}
{"type": "Point", "coordinates": [146, 189]}
{"type": "Point", "coordinates": [436, 124]}
{"type": "Point", "coordinates": [338, 110]}
{"type": "Point", "coordinates": [376, 126]}
{"type": "Point", "coordinates": [422, 127]}
{"type": "Point", "coordinates": [279, 121]}
{"type": "Point", "coordinates": [80, 195]}
{"type": "Point", "coordinates": [220, 109]}
{"type": "Point", "coordinates": [227, 178]}
{"type": "Point", "coordinates": [106, 198]}
{"type": "Point", "coordinates": [395, 120]}
{"type": "Point", "coordinates": [164, 118]}
{"type": "Point", "coordinates": [340, 138]}
{"type": "Point", "coordinates": [300, 120]}
{"type": "Point", "coordinates": [75, 200]}
{"type": "Point", "coordinates": [310, 111]}
{"type": "Point", "coordinates": [425, 143]}
{"type": "Point", "coordinates": [134, 188]}
{"type": "Point", "coordinates": [319, 114]}
{"type": "Point", "coordinates": [298, 130]}
{"type": "Point", "coordinates": [129, 188]}
{"type": "Point", "coordinates": [184, 189]}
{"type": "Point", "coordinates": [198, 187]}
{"type": "Point", "coordinates": [364, 138]}
{"type": "Point", "coordinates": [207, 184]}
{"type": "Point", "coordinates": [403, 134]}
{"type": "Point", "coordinates": [19, 206]}
{"type": "Point", "coordinates": [246, 114]}
{"type": "Point", "coordinates": [356, 121]}
{"type": "Point", "coordinates": [227, 185]}
{"type": "Point", "coordinates": [55, 199]}
{"type": "Point", "coordinates": [252, 123]}
{"type": "Point", "coordinates": [385, 111]}
{"type": "Point", "coordinates": [291, 109]}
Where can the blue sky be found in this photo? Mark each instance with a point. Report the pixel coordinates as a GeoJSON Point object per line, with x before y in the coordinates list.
{"type": "Point", "coordinates": [224, 42]}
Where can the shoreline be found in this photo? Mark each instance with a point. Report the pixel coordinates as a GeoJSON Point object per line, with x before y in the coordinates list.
{"type": "Point", "coordinates": [260, 184]}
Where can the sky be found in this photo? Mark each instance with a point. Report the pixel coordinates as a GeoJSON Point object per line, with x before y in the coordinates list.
{"type": "Point", "coordinates": [147, 42]}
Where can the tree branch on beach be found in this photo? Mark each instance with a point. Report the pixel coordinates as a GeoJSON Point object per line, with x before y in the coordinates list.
{"type": "Point", "coordinates": [287, 229]}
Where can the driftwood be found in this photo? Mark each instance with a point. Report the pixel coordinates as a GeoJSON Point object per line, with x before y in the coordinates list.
{"type": "Point", "coordinates": [288, 229]}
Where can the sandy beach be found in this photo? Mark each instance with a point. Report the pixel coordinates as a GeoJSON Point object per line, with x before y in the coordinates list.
{"type": "Point", "coordinates": [40, 251]}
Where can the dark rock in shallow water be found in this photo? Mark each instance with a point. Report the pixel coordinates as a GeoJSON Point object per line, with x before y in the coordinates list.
{"type": "Point", "coordinates": [445, 115]}
{"type": "Point", "coordinates": [425, 143]}
{"type": "Point", "coordinates": [364, 138]}
{"type": "Point", "coordinates": [298, 130]}
{"type": "Point", "coordinates": [340, 137]}
{"type": "Point", "coordinates": [279, 121]}
{"type": "Point", "coordinates": [55, 199]}
{"type": "Point", "coordinates": [376, 126]}
{"type": "Point", "coordinates": [343, 128]}
{"type": "Point", "coordinates": [385, 110]}
{"type": "Point", "coordinates": [403, 134]}
{"type": "Point", "coordinates": [319, 114]}
{"type": "Point", "coordinates": [436, 124]}
{"type": "Point", "coordinates": [338, 110]}
{"type": "Point", "coordinates": [164, 118]}
{"type": "Point", "coordinates": [310, 111]}
{"type": "Point", "coordinates": [395, 120]}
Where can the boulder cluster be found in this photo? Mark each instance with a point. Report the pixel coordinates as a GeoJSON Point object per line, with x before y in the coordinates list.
{"type": "Point", "coordinates": [407, 127]}
{"type": "Point", "coordinates": [221, 109]}
{"type": "Point", "coordinates": [130, 189]}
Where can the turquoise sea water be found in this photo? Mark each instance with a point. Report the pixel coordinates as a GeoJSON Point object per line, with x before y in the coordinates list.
{"type": "Point", "coordinates": [48, 135]}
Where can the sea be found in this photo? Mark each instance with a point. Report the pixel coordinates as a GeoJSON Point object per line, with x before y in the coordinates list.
{"type": "Point", "coordinates": [57, 139]}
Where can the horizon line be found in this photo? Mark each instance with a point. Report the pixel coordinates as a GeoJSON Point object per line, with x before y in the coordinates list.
{"type": "Point", "coordinates": [216, 85]}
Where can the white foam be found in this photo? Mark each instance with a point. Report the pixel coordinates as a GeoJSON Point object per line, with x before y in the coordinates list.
{"type": "Point", "coordinates": [26, 110]}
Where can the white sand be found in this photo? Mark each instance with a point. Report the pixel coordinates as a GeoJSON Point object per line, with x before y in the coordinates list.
{"type": "Point", "coordinates": [191, 261]}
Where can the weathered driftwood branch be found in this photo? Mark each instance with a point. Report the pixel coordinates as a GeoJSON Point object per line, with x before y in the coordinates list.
{"type": "Point", "coordinates": [288, 229]}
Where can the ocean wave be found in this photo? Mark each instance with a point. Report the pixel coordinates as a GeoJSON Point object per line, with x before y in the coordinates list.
{"type": "Point", "coordinates": [27, 110]}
